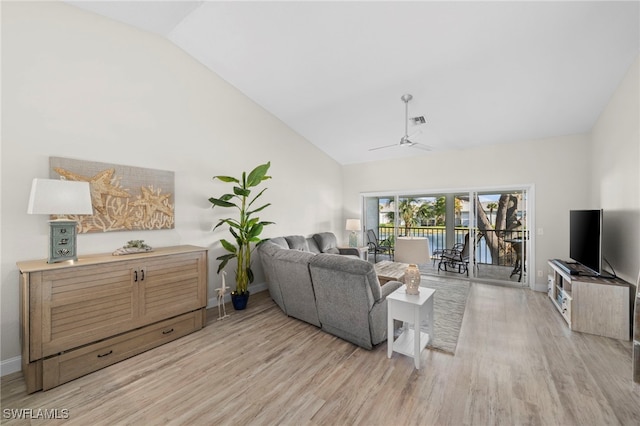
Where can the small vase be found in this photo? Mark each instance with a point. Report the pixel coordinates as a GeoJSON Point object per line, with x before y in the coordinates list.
{"type": "Point", "coordinates": [412, 279]}
{"type": "Point", "coordinates": [239, 301]}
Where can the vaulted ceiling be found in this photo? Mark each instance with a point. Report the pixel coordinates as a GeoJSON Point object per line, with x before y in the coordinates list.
{"type": "Point", "coordinates": [479, 72]}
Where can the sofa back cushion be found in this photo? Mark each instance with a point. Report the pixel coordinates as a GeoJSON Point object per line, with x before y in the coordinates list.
{"type": "Point", "coordinates": [313, 246]}
{"type": "Point", "coordinates": [297, 242]}
{"type": "Point", "coordinates": [327, 242]}
{"type": "Point", "coordinates": [346, 290]}
{"type": "Point", "coordinates": [279, 241]}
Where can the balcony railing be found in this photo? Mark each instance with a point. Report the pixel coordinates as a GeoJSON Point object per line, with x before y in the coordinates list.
{"type": "Point", "coordinates": [509, 242]}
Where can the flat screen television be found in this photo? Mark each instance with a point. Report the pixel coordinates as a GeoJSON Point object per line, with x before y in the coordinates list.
{"type": "Point", "coordinates": [585, 238]}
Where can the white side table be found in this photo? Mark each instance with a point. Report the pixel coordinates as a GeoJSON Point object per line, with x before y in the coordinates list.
{"type": "Point", "coordinates": [411, 309]}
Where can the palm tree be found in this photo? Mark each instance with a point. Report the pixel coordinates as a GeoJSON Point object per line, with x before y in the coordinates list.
{"type": "Point", "coordinates": [408, 209]}
{"type": "Point", "coordinates": [425, 212]}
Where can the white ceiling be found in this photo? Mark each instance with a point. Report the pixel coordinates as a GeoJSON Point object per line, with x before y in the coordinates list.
{"type": "Point", "coordinates": [480, 72]}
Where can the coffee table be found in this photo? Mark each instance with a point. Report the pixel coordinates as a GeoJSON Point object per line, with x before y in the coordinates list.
{"type": "Point", "coordinates": [390, 271]}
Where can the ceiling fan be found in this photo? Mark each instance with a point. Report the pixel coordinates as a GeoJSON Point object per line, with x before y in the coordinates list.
{"type": "Point", "coordinates": [406, 140]}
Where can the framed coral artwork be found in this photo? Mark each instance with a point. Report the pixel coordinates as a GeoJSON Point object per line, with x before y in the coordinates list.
{"type": "Point", "coordinates": [124, 198]}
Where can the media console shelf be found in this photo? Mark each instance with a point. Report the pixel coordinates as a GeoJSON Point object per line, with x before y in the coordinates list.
{"type": "Point", "coordinates": [594, 305]}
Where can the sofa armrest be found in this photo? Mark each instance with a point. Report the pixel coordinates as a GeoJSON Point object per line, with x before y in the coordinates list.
{"type": "Point", "coordinates": [349, 251]}
{"type": "Point", "coordinates": [389, 287]}
{"type": "Point", "coordinates": [378, 313]}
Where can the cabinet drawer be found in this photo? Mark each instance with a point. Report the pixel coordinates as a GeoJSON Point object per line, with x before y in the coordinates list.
{"type": "Point", "coordinates": [73, 364]}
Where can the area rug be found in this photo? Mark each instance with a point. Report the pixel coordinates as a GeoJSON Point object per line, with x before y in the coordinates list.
{"type": "Point", "coordinates": [449, 304]}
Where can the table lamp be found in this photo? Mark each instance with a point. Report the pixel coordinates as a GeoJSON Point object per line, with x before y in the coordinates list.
{"type": "Point", "coordinates": [60, 197]}
{"type": "Point", "coordinates": [416, 252]}
{"type": "Point", "coordinates": [353, 225]}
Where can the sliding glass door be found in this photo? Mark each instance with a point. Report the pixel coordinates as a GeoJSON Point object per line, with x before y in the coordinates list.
{"type": "Point", "coordinates": [487, 227]}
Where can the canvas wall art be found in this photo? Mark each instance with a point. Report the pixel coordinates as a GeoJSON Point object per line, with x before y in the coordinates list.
{"type": "Point", "coordinates": [124, 198]}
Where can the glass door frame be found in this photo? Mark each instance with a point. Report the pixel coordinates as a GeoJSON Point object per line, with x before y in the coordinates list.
{"type": "Point", "coordinates": [528, 248]}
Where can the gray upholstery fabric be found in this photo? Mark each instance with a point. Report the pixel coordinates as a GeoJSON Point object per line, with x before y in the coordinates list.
{"type": "Point", "coordinates": [292, 273]}
{"type": "Point", "coordinates": [349, 251]}
{"type": "Point", "coordinates": [341, 294]}
{"type": "Point", "coordinates": [297, 242]}
{"type": "Point", "coordinates": [327, 242]}
{"type": "Point", "coordinates": [313, 246]}
{"type": "Point", "coordinates": [267, 251]}
{"type": "Point", "coordinates": [349, 299]}
{"type": "Point", "coordinates": [280, 241]}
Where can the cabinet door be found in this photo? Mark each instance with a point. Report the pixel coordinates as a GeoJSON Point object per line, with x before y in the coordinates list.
{"type": "Point", "coordinates": [172, 285]}
{"type": "Point", "coordinates": [75, 306]}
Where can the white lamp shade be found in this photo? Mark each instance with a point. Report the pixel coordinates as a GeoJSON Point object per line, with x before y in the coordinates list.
{"type": "Point", "coordinates": [412, 250]}
{"type": "Point", "coordinates": [353, 224]}
{"type": "Point", "coordinates": [60, 197]}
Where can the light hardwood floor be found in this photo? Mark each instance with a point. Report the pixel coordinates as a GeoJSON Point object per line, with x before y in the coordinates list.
{"type": "Point", "coordinates": [516, 363]}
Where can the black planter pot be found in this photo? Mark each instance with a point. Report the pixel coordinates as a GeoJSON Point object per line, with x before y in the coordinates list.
{"type": "Point", "coordinates": [239, 300]}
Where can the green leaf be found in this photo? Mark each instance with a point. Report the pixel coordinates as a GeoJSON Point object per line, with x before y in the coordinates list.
{"type": "Point", "coordinates": [257, 175]}
{"type": "Point", "coordinates": [259, 209]}
{"type": "Point", "coordinates": [221, 203]}
{"type": "Point", "coordinates": [241, 191]}
{"type": "Point", "coordinates": [226, 179]}
{"type": "Point", "coordinates": [254, 231]}
{"type": "Point", "coordinates": [228, 221]}
{"type": "Point", "coordinates": [225, 259]}
{"type": "Point", "coordinates": [256, 197]}
{"type": "Point", "coordinates": [250, 275]}
{"type": "Point", "coordinates": [228, 246]}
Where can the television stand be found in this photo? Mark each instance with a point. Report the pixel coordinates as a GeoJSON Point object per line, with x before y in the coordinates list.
{"type": "Point", "coordinates": [574, 268]}
{"type": "Point", "coordinates": [590, 304]}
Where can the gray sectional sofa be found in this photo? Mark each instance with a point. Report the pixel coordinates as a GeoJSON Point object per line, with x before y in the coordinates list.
{"type": "Point", "coordinates": [313, 280]}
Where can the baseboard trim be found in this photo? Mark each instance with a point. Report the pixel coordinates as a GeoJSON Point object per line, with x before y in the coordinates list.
{"type": "Point", "coordinates": [540, 287]}
{"type": "Point", "coordinates": [10, 366]}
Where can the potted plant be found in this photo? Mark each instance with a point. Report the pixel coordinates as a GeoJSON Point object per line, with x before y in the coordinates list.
{"type": "Point", "coordinates": [245, 228]}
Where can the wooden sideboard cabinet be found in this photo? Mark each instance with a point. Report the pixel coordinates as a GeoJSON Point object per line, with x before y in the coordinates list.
{"type": "Point", "coordinates": [80, 316]}
{"type": "Point", "coordinates": [593, 305]}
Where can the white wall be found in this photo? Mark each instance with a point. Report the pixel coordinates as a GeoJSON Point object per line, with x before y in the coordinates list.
{"type": "Point", "coordinates": [556, 167]}
{"type": "Point", "coordinates": [615, 175]}
{"type": "Point", "coordinates": [81, 86]}
{"type": "Point", "coordinates": [596, 170]}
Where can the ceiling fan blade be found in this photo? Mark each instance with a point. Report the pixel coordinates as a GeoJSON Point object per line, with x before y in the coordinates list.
{"type": "Point", "coordinates": [382, 147]}
{"type": "Point", "coordinates": [421, 146]}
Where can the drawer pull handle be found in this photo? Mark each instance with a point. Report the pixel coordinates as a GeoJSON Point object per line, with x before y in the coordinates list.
{"type": "Point", "coordinates": [142, 272]}
{"type": "Point", "coordinates": [135, 276]}
{"type": "Point", "coordinates": [167, 331]}
{"type": "Point", "coordinates": [107, 354]}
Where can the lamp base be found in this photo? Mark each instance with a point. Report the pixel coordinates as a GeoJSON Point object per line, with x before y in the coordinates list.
{"type": "Point", "coordinates": [353, 239]}
{"type": "Point", "coordinates": [62, 241]}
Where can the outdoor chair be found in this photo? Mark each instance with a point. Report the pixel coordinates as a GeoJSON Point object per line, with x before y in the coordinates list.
{"type": "Point", "coordinates": [456, 257]}
{"type": "Point", "coordinates": [376, 246]}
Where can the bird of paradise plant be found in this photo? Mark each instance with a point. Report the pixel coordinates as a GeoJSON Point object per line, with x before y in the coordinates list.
{"type": "Point", "coordinates": [246, 228]}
